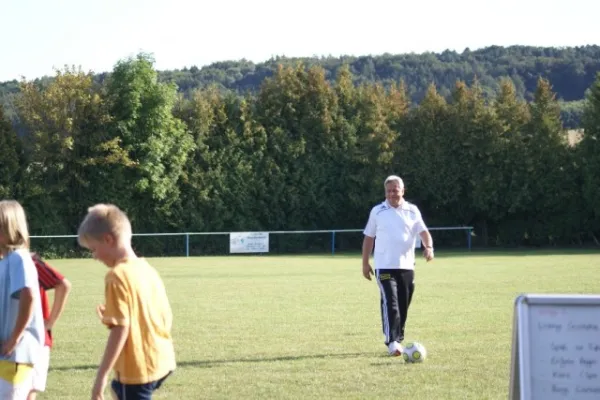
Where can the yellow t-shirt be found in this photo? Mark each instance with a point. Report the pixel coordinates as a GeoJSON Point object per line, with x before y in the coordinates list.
{"type": "Point", "coordinates": [136, 297]}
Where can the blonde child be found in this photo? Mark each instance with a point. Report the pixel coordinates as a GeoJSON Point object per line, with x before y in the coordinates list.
{"type": "Point", "coordinates": [137, 310]}
{"type": "Point", "coordinates": [21, 319]}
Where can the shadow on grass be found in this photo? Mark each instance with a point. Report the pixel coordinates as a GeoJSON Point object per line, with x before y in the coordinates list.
{"type": "Point", "coordinates": [216, 363]}
{"type": "Point", "coordinates": [389, 362]}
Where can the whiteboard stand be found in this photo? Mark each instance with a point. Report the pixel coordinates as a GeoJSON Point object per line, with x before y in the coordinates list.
{"type": "Point", "coordinates": [515, 377]}
{"type": "Point", "coordinates": [555, 347]}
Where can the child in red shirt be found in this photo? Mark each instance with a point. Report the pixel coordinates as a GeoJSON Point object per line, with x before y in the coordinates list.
{"type": "Point", "coordinates": [49, 278]}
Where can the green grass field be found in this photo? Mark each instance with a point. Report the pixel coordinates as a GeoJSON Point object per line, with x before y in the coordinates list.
{"type": "Point", "coordinates": [309, 326]}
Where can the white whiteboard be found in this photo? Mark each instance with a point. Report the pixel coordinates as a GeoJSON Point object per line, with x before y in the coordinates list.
{"type": "Point", "coordinates": [249, 242]}
{"type": "Point", "coordinates": [556, 347]}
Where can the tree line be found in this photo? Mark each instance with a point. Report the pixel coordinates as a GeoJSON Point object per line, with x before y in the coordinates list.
{"type": "Point", "coordinates": [302, 153]}
{"type": "Point", "coordinates": [571, 70]}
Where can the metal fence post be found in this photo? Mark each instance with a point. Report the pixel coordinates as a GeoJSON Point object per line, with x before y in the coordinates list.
{"type": "Point", "coordinates": [469, 238]}
{"type": "Point", "coordinates": [187, 244]}
{"type": "Point", "coordinates": [332, 243]}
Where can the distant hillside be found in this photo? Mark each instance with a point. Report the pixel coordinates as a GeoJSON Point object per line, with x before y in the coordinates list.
{"type": "Point", "coordinates": [570, 70]}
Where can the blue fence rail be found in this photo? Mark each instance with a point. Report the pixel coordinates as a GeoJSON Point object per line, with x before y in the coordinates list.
{"type": "Point", "coordinates": [467, 229]}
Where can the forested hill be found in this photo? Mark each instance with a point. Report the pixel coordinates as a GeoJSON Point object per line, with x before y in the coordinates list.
{"type": "Point", "coordinates": [570, 71]}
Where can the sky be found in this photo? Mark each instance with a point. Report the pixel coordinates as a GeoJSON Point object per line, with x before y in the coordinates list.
{"type": "Point", "coordinates": [38, 36]}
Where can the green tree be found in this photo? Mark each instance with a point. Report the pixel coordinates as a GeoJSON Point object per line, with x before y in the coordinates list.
{"type": "Point", "coordinates": [474, 157]}
{"type": "Point", "coordinates": [65, 125]}
{"type": "Point", "coordinates": [297, 108]}
{"type": "Point", "coordinates": [589, 152]}
{"type": "Point", "coordinates": [9, 159]}
{"type": "Point", "coordinates": [141, 110]}
{"type": "Point", "coordinates": [512, 112]}
{"type": "Point", "coordinates": [375, 148]}
{"type": "Point", "coordinates": [422, 158]}
{"type": "Point", "coordinates": [509, 200]}
{"type": "Point", "coordinates": [548, 178]}
{"type": "Point", "coordinates": [196, 185]}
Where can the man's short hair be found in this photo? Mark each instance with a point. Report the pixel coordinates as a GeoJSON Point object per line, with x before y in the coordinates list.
{"type": "Point", "coordinates": [103, 219]}
{"type": "Point", "coordinates": [393, 178]}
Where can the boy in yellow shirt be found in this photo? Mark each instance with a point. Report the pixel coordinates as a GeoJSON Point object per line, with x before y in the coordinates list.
{"type": "Point", "coordinates": [137, 310]}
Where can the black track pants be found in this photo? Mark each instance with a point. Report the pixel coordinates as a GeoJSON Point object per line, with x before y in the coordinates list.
{"type": "Point", "coordinates": [396, 287]}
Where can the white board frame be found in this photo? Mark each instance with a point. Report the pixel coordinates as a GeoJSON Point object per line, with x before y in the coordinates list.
{"type": "Point", "coordinates": [520, 369]}
{"type": "Point", "coordinates": [233, 236]}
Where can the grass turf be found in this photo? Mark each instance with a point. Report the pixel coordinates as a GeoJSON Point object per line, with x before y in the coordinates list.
{"type": "Point", "coordinates": [309, 326]}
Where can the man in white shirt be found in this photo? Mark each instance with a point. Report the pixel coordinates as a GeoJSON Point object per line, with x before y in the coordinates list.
{"type": "Point", "coordinates": [392, 228]}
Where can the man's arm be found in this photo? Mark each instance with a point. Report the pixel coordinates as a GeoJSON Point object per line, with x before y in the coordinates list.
{"type": "Point", "coordinates": [367, 249]}
{"type": "Point", "coordinates": [427, 242]}
{"type": "Point", "coordinates": [61, 293]}
{"type": "Point", "coordinates": [426, 239]}
{"type": "Point", "coordinates": [368, 244]}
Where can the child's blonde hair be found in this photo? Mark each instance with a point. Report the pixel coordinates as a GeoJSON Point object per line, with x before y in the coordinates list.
{"type": "Point", "coordinates": [13, 225]}
{"type": "Point", "coordinates": [103, 219]}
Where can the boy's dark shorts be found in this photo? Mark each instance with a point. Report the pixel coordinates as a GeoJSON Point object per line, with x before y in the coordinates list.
{"type": "Point", "coordinates": [137, 392]}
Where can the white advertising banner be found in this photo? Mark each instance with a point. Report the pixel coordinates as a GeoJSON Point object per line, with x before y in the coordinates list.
{"type": "Point", "coordinates": [249, 242]}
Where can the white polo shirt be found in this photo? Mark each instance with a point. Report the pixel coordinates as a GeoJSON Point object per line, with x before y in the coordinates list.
{"type": "Point", "coordinates": [395, 231]}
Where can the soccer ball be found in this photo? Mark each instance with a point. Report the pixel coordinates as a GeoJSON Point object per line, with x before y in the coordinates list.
{"type": "Point", "coordinates": [414, 352]}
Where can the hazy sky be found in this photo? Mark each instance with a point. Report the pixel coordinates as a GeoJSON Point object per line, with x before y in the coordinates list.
{"type": "Point", "coordinates": [38, 35]}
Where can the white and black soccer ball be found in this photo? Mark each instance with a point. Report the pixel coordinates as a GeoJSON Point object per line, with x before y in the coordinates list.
{"type": "Point", "coordinates": [414, 352]}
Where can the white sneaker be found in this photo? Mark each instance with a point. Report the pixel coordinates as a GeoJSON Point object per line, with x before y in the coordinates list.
{"type": "Point", "coordinates": [395, 349]}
